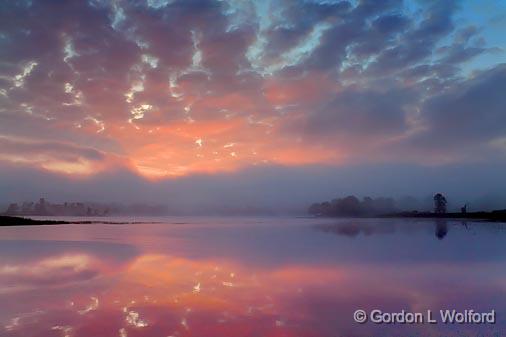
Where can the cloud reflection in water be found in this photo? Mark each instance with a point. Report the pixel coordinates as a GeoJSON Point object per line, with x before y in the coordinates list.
{"type": "Point", "coordinates": [176, 285]}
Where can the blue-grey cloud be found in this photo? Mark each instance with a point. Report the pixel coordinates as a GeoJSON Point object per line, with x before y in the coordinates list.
{"type": "Point", "coordinates": [367, 81]}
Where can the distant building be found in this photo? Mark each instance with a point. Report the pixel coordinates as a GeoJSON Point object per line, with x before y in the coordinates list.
{"type": "Point", "coordinates": [13, 209]}
{"type": "Point", "coordinates": [40, 207]}
{"type": "Point", "coordinates": [43, 207]}
{"type": "Point", "coordinates": [27, 207]}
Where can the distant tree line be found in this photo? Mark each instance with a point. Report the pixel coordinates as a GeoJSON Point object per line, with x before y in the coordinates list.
{"type": "Point", "coordinates": [46, 208]}
{"type": "Point", "coordinates": [352, 206]}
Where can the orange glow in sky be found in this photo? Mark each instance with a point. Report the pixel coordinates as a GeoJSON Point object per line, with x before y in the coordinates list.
{"type": "Point", "coordinates": [173, 88]}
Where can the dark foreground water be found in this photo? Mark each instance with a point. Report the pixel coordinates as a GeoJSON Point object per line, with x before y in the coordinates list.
{"type": "Point", "coordinates": [249, 277]}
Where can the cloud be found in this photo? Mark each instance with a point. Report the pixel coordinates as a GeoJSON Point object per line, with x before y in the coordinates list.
{"type": "Point", "coordinates": [467, 118]}
{"type": "Point", "coordinates": [360, 114]}
{"type": "Point", "coordinates": [32, 148]}
{"type": "Point", "coordinates": [54, 156]}
{"type": "Point", "coordinates": [132, 85]}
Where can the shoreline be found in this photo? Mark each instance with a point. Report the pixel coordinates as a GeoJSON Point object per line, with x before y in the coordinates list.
{"type": "Point", "coordinates": [499, 216]}
{"type": "Point", "coordinates": [9, 221]}
{"type": "Point", "coordinates": [495, 216]}
{"type": "Point", "coordinates": [6, 221]}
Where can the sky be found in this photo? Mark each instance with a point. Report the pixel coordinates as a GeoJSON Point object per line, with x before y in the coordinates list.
{"type": "Point", "coordinates": [207, 103]}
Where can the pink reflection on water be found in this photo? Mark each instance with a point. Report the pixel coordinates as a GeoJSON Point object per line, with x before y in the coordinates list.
{"type": "Point", "coordinates": [50, 271]}
{"type": "Point", "coordinates": [218, 281]}
{"type": "Point", "coordinates": [160, 295]}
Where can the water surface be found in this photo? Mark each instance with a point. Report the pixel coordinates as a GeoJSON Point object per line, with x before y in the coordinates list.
{"type": "Point", "coordinates": [248, 277]}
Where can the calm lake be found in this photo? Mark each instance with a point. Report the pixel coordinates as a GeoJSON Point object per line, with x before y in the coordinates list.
{"type": "Point", "coordinates": [248, 276]}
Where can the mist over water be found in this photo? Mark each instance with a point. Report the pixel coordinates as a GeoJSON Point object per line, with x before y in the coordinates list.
{"type": "Point", "coordinates": [268, 189]}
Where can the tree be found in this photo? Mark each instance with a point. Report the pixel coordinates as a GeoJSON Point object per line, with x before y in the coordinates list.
{"type": "Point", "coordinates": [439, 203]}
{"type": "Point", "coordinates": [349, 206]}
